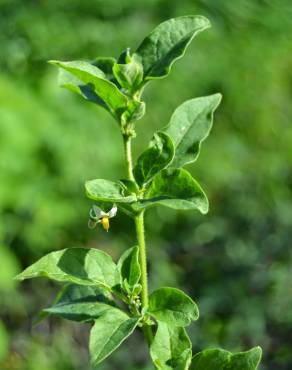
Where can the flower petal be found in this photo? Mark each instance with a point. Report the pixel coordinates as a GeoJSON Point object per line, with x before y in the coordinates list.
{"type": "Point", "coordinates": [97, 211]}
{"type": "Point", "coordinates": [113, 212]}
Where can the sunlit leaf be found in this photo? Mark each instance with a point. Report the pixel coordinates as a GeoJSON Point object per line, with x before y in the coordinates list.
{"type": "Point", "coordinates": [75, 265]}
{"type": "Point", "coordinates": [108, 332]}
{"type": "Point", "coordinates": [108, 191]}
{"type": "Point", "coordinates": [175, 188]}
{"type": "Point", "coordinates": [128, 72]}
{"type": "Point", "coordinates": [171, 348]}
{"type": "Point", "coordinates": [220, 359]}
{"type": "Point", "coordinates": [167, 43]}
{"type": "Point", "coordinates": [172, 306]}
{"type": "Point", "coordinates": [91, 75]}
{"type": "Point", "coordinates": [189, 125]}
{"type": "Point", "coordinates": [155, 158]}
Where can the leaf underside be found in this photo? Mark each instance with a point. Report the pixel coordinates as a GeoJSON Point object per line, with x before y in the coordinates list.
{"type": "Point", "coordinates": [96, 81]}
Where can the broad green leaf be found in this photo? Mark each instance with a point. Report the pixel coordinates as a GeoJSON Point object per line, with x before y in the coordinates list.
{"type": "Point", "coordinates": [220, 359]}
{"type": "Point", "coordinates": [154, 159]}
{"type": "Point", "coordinates": [173, 307]}
{"type": "Point", "coordinates": [210, 359]}
{"type": "Point", "coordinates": [129, 266]}
{"type": "Point", "coordinates": [175, 188]}
{"type": "Point", "coordinates": [91, 75]}
{"type": "Point", "coordinates": [108, 332]}
{"type": "Point", "coordinates": [248, 360]}
{"type": "Point", "coordinates": [189, 125]}
{"type": "Point", "coordinates": [72, 83]}
{"type": "Point", "coordinates": [79, 311]}
{"type": "Point", "coordinates": [171, 348]}
{"type": "Point", "coordinates": [75, 265]}
{"type": "Point", "coordinates": [80, 303]}
{"type": "Point", "coordinates": [81, 293]}
{"type": "Point", "coordinates": [167, 43]}
{"type": "Point", "coordinates": [108, 191]}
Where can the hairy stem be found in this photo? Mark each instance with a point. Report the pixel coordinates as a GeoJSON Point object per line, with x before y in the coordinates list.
{"type": "Point", "coordinates": [139, 222]}
{"type": "Point", "coordinates": [128, 156]}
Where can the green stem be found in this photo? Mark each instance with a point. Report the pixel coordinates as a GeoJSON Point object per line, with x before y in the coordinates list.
{"type": "Point", "coordinates": [128, 155]}
{"type": "Point", "coordinates": [139, 222]}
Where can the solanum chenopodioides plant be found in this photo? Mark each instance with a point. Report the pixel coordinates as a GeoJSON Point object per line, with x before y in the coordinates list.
{"type": "Point", "coordinates": [95, 285]}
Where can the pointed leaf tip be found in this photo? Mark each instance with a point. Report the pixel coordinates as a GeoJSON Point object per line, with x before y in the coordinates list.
{"type": "Point", "coordinates": [168, 43]}
{"type": "Point", "coordinates": [190, 125]}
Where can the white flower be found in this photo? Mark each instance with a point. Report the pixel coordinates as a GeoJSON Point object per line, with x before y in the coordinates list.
{"type": "Point", "coordinates": [97, 215]}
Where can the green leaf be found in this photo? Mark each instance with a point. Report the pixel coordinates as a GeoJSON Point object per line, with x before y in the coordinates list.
{"type": "Point", "coordinates": [80, 303]}
{"type": "Point", "coordinates": [134, 112]}
{"type": "Point", "coordinates": [80, 293]}
{"type": "Point", "coordinates": [106, 65]}
{"type": "Point", "coordinates": [91, 75]}
{"type": "Point", "coordinates": [79, 311]}
{"type": "Point", "coordinates": [108, 191]}
{"type": "Point", "coordinates": [172, 306]}
{"type": "Point", "coordinates": [158, 156]}
{"type": "Point", "coordinates": [75, 265]}
{"type": "Point", "coordinates": [130, 73]}
{"type": "Point", "coordinates": [171, 348]}
{"type": "Point", "coordinates": [175, 188]}
{"type": "Point", "coordinates": [167, 43]}
{"type": "Point", "coordinates": [220, 359]}
{"type": "Point", "coordinates": [189, 125]}
{"type": "Point", "coordinates": [210, 359]}
{"type": "Point", "coordinates": [129, 266]}
{"type": "Point", "coordinates": [108, 332]}
{"type": "Point", "coordinates": [72, 83]}
{"type": "Point", "coordinates": [131, 186]}
{"type": "Point", "coordinates": [248, 360]}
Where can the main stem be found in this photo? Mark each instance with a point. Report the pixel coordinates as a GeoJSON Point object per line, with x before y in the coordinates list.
{"type": "Point", "coordinates": [128, 156]}
{"type": "Point", "coordinates": [139, 222]}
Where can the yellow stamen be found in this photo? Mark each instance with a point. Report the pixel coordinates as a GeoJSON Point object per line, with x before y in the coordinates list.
{"type": "Point", "coordinates": [105, 223]}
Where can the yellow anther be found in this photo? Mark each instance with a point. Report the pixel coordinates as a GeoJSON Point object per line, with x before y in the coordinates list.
{"type": "Point", "coordinates": [105, 223]}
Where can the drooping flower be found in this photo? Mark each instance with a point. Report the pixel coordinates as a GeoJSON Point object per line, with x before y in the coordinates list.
{"type": "Point", "coordinates": [97, 215]}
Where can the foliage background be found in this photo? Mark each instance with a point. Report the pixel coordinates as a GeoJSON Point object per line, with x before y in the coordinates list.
{"type": "Point", "coordinates": [236, 261]}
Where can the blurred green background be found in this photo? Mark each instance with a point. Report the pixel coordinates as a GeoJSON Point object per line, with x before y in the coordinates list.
{"type": "Point", "coordinates": [236, 262]}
